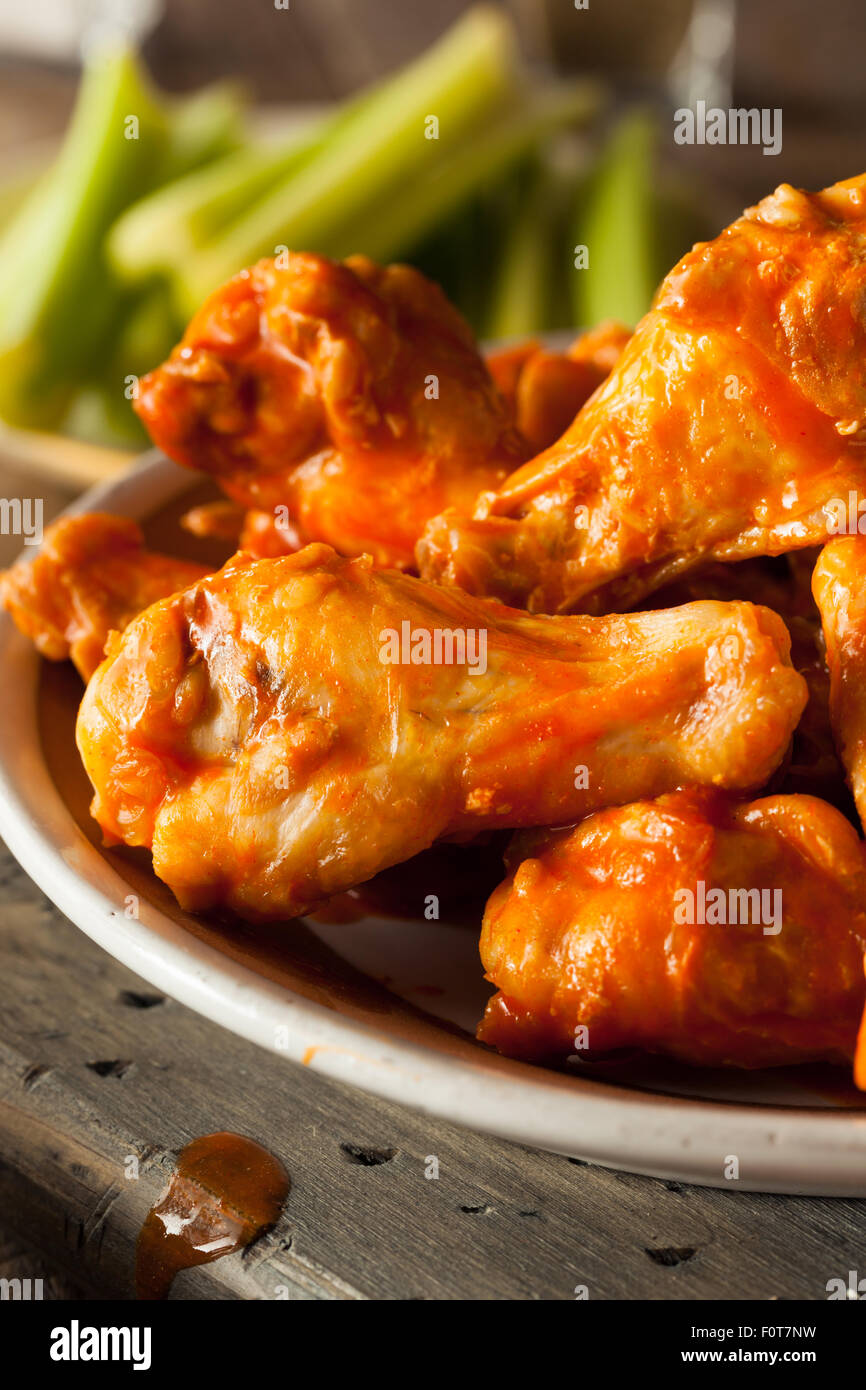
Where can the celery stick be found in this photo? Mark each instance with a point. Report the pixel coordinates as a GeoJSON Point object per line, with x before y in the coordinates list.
{"type": "Point", "coordinates": [53, 301]}
{"type": "Point", "coordinates": [164, 229]}
{"type": "Point", "coordinates": [144, 332]}
{"type": "Point", "coordinates": [202, 127]}
{"type": "Point", "coordinates": [58, 299]}
{"type": "Point", "coordinates": [96, 414]}
{"type": "Point", "coordinates": [147, 329]}
{"type": "Point", "coordinates": [523, 282]}
{"type": "Point", "coordinates": [617, 226]}
{"type": "Point", "coordinates": [483, 158]}
{"type": "Point", "coordinates": [464, 76]}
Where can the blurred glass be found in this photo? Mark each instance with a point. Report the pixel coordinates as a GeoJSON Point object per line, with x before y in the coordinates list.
{"type": "Point", "coordinates": [683, 48]}
{"type": "Point", "coordinates": [703, 67]}
{"type": "Point", "coordinates": [56, 29]}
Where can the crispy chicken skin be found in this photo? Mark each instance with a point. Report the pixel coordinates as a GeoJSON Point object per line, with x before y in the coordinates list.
{"type": "Point", "coordinates": [544, 390]}
{"type": "Point", "coordinates": [591, 930]}
{"type": "Point", "coordinates": [350, 394]}
{"type": "Point", "coordinates": [782, 583]}
{"type": "Point", "coordinates": [92, 576]}
{"type": "Point", "coordinates": [839, 586]}
{"type": "Point", "coordinates": [736, 411]}
{"type": "Point", "coordinates": [264, 736]}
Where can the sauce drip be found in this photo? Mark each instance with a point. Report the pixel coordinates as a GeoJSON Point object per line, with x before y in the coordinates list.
{"type": "Point", "coordinates": [225, 1191]}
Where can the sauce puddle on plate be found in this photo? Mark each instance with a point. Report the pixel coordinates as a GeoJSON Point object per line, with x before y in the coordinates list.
{"type": "Point", "coordinates": [225, 1191]}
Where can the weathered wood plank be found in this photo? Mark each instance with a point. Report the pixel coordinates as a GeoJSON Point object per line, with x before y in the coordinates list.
{"type": "Point", "coordinates": [500, 1221]}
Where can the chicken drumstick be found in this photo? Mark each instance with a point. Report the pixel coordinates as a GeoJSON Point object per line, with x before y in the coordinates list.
{"type": "Point", "coordinates": [286, 728]}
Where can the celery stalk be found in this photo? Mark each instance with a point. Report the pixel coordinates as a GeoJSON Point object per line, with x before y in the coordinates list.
{"type": "Point", "coordinates": [522, 287]}
{"type": "Point", "coordinates": [53, 305]}
{"type": "Point", "coordinates": [482, 159]}
{"type": "Point", "coordinates": [617, 224]}
{"type": "Point", "coordinates": [164, 229]}
{"type": "Point", "coordinates": [168, 227]}
{"type": "Point", "coordinates": [58, 299]}
{"type": "Point", "coordinates": [144, 332]}
{"type": "Point", "coordinates": [464, 76]}
{"type": "Point", "coordinates": [202, 127]}
{"type": "Point", "coordinates": [97, 414]}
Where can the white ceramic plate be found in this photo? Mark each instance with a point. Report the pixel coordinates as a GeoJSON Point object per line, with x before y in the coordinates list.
{"type": "Point", "coordinates": [386, 1005]}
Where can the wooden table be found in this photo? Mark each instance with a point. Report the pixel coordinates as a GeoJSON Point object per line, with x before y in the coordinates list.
{"type": "Point", "coordinates": [95, 1067]}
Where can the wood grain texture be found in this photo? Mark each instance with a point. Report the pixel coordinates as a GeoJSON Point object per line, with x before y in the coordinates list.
{"type": "Point", "coordinates": [95, 1067]}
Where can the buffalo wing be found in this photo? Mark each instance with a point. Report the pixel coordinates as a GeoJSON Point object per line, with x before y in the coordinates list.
{"type": "Point", "coordinates": [347, 400]}
{"type": "Point", "coordinates": [91, 577]}
{"type": "Point", "coordinates": [286, 728]}
{"type": "Point", "coordinates": [735, 415]}
{"type": "Point", "coordinates": [716, 933]}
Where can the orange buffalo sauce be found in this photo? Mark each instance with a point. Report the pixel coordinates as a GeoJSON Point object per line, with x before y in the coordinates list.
{"type": "Point", "coordinates": [225, 1191]}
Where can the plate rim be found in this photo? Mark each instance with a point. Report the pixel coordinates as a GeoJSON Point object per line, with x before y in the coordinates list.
{"type": "Point", "coordinates": [804, 1150]}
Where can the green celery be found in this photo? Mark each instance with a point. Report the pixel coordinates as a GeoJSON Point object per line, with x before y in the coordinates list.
{"type": "Point", "coordinates": [144, 332]}
{"type": "Point", "coordinates": [169, 226]}
{"type": "Point", "coordinates": [483, 158]}
{"type": "Point", "coordinates": [53, 301]}
{"type": "Point", "coordinates": [377, 154]}
{"type": "Point", "coordinates": [523, 282]}
{"type": "Point", "coordinates": [617, 224]}
{"type": "Point", "coordinates": [202, 127]}
{"type": "Point", "coordinates": [58, 299]}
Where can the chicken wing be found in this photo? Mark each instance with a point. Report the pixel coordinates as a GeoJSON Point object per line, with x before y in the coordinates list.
{"type": "Point", "coordinates": [287, 728]}
{"type": "Point", "coordinates": [262, 535]}
{"type": "Point", "coordinates": [839, 585]}
{"type": "Point", "coordinates": [782, 583]}
{"type": "Point", "coordinates": [735, 415]}
{"type": "Point", "coordinates": [542, 391]}
{"type": "Point", "coordinates": [352, 396]}
{"type": "Point", "coordinates": [716, 933]}
{"type": "Point", "coordinates": [545, 390]}
{"type": "Point", "coordinates": [92, 576]}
